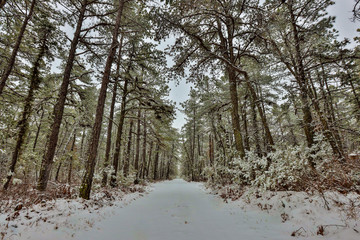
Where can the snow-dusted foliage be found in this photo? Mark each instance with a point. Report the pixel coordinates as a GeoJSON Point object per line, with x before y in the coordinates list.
{"type": "Point", "coordinates": [285, 168]}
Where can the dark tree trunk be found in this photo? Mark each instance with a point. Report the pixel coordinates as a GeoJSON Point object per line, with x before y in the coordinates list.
{"type": "Point", "coordinates": [235, 112]}
{"type": "Point", "coordinates": [2, 3]}
{"type": "Point", "coordinates": [115, 162]}
{"type": "Point", "coordinates": [156, 161]}
{"type": "Point", "coordinates": [301, 80]}
{"type": "Point", "coordinates": [23, 124]}
{"type": "Point", "coordinates": [128, 151]}
{"type": "Point", "coordinates": [137, 151]}
{"type": "Point", "coordinates": [149, 161]}
{"type": "Point", "coordinates": [244, 119]}
{"type": "Point", "coordinates": [169, 162]}
{"type": "Point", "coordinates": [57, 172]}
{"type": "Point", "coordinates": [111, 118]}
{"type": "Point", "coordinates": [143, 169]}
{"type": "Point", "coordinates": [15, 50]}
{"type": "Point", "coordinates": [211, 150]}
{"type": "Point", "coordinates": [38, 129]}
{"type": "Point", "coordinates": [255, 127]}
{"type": "Point", "coordinates": [94, 142]}
{"type": "Point", "coordinates": [47, 160]}
{"type": "Point", "coordinates": [71, 160]}
{"type": "Point", "coordinates": [329, 133]}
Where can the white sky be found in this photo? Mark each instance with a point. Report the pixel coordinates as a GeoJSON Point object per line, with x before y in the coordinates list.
{"type": "Point", "coordinates": [343, 12]}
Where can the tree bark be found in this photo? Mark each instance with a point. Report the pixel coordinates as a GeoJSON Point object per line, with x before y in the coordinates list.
{"type": "Point", "coordinates": [15, 50]}
{"type": "Point", "coordinates": [255, 127]}
{"type": "Point", "coordinates": [115, 162]}
{"type": "Point", "coordinates": [143, 156]}
{"type": "Point", "coordinates": [137, 151]}
{"type": "Point", "coordinates": [47, 160]}
{"type": "Point", "coordinates": [71, 159]}
{"type": "Point", "coordinates": [211, 150]}
{"type": "Point", "coordinates": [38, 129]}
{"type": "Point", "coordinates": [156, 161]}
{"type": "Point", "coordinates": [170, 161]}
{"type": "Point", "coordinates": [301, 80]}
{"type": "Point", "coordinates": [128, 151]}
{"type": "Point", "coordinates": [149, 161]}
{"type": "Point", "coordinates": [2, 3]}
{"type": "Point", "coordinates": [85, 188]}
{"type": "Point", "coordinates": [23, 124]}
{"type": "Point", "coordinates": [111, 117]}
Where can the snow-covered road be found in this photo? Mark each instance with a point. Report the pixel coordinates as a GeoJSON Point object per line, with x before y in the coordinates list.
{"type": "Point", "coordinates": [178, 210]}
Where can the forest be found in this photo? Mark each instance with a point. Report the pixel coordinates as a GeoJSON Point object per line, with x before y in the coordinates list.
{"type": "Point", "coordinates": [84, 95]}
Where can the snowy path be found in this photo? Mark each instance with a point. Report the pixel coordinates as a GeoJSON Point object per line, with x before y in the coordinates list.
{"type": "Point", "coordinates": [178, 210]}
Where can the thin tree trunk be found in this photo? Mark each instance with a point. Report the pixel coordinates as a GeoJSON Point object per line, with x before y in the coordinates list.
{"type": "Point", "coordinates": [301, 80]}
{"type": "Point", "coordinates": [38, 129]}
{"type": "Point", "coordinates": [111, 118]}
{"type": "Point", "coordinates": [23, 125]}
{"type": "Point", "coordinates": [255, 127]}
{"type": "Point", "coordinates": [244, 118]}
{"type": "Point", "coordinates": [85, 188]}
{"type": "Point", "coordinates": [15, 50]}
{"type": "Point", "coordinates": [144, 149]}
{"type": "Point", "coordinates": [149, 162]}
{"type": "Point", "coordinates": [82, 142]}
{"type": "Point", "coordinates": [115, 162]}
{"type": "Point", "coordinates": [71, 160]}
{"type": "Point", "coordinates": [47, 160]}
{"type": "Point", "coordinates": [211, 150]}
{"type": "Point", "coordinates": [156, 161]}
{"type": "Point", "coordinates": [336, 147]}
{"type": "Point", "coordinates": [57, 172]}
{"type": "Point", "coordinates": [128, 151]}
{"type": "Point", "coordinates": [137, 151]}
{"type": "Point", "coordinates": [170, 161]}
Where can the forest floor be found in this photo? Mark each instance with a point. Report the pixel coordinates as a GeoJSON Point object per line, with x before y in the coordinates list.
{"type": "Point", "coordinates": [177, 209]}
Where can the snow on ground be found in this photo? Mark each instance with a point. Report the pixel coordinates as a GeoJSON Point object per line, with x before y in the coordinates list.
{"type": "Point", "coordinates": [178, 210]}
{"type": "Point", "coordinates": [330, 215]}
{"type": "Point", "coordinates": [64, 216]}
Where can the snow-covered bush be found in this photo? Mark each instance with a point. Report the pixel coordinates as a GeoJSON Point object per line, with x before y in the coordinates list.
{"type": "Point", "coordinates": [289, 167]}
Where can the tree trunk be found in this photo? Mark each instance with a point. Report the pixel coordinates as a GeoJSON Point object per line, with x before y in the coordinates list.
{"type": "Point", "coordinates": [235, 112]}
{"type": "Point", "coordinates": [2, 3]}
{"type": "Point", "coordinates": [149, 162]}
{"type": "Point", "coordinates": [128, 151]}
{"type": "Point", "coordinates": [255, 127]}
{"type": "Point", "coordinates": [301, 80]}
{"type": "Point", "coordinates": [111, 118]}
{"type": "Point", "coordinates": [170, 161]}
{"type": "Point", "coordinates": [244, 119]}
{"type": "Point", "coordinates": [119, 134]}
{"type": "Point", "coordinates": [156, 161]}
{"type": "Point", "coordinates": [23, 124]}
{"type": "Point", "coordinates": [57, 172]}
{"type": "Point", "coordinates": [15, 50]}
{"type": "Point", "coordinates": [211, 150]}
{"type": "Point", "coordinates": [137, 151]}
{"type": "Point", "coordinates": [94, 142]}
{"type": "Point", "coordinates": [38, 129]}
{"type": "Point", "coordinates": [71, 160]}
{"type": "Point", "coordinates": [144, 149]}
{"type": "Point", "coordinates": [47, 160]}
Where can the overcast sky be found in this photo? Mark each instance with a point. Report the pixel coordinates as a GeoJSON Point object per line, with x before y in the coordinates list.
{"type": "Point", "coordinates": [343, 12]}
